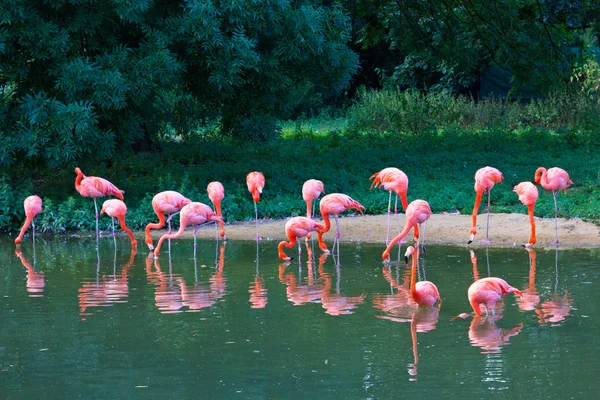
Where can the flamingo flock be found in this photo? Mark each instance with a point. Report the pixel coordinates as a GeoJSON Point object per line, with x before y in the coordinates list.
{"type": "Point", "coordinates": [486, 291]}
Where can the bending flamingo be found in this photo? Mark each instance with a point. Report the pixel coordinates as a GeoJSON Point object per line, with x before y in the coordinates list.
{"type": "Point", "coordinates": [424, 293]}
{"type": "Point", "coordinates": [256, 183]}
{"type": "Point", "coordinates": [33, 206]}
{"type": "Point", "coordinates": [92, 186]}
{"type": "Point", "coordinates": [295, 228]}
{"type": "Point", "coordinates": [335, 203]}
{"type": "Point", "coordinates": [528, 195]}
{"type": "Point", "coordinates": [164, 202]}
{"type": "Point", "coordinates": [311, 190]}
{"type": "Point", "coordinates": [216, 193]}
{"type": "Point", "coordinates": [191, 214]}
{"type": "Point", "coordinates": [117, 209]}
{"type": "Point", "coordinates": [555, 179]}
{"type": "Point", "coordinates": [417, 212]}
{"type": "Point", "coordinates": [393, 179]}
{"type": "Point", "coordinates": [485, 178]}
{"type": "Point", "coordinates": [488, 291]}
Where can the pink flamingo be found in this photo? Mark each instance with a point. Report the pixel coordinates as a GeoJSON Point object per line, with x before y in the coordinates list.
{"type": "Point", "coordinates": [484, 333]}
{"type": "Point", "coordinates": [256, 182]}
{"type": "Point", "coordinates": [295, 228]}
{"type": "Point", "coordinates": [393, 179]}
{"type": "Point", "coordinates": [191, 214]}
{"type": "Point", "coordinates": [117, 209]}
{"type": "Point", "coordinates": [216, 193]}
{"type": "Point", "coordinates": [92, 186]}
{"type": "Point", "coordinates": [311, 190]}
{"type": "Point", "coordinates": [335, 303]}
{"type": "Point", "coordinates": [33, 206]}
{"type": "Point", "coordinates": [417, 212]}
{"type": "Point", "coordinates": [35, 280]}
{"type": "Point", "coordinates": [165, 202]}
{"type": "Point", "coordinates": [485, 178]}
{"type": "Point", "coordinates": [297, 292]}
{"type": "Point", "coordinates": [424, 293]}
{"type": "Point", "coordinates": [555, 179]}
{"type": "Point", "coordinates": [488, 291]}
{"type": "Point", "coordinates": [335, 203]}
{"type": "Point", "coordinates": [258, 293]}
{"type": "Point", "coordinates": [528, 195]}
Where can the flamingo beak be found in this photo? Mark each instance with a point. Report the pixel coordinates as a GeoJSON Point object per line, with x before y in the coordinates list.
{"type": "Point", "coordinates": [518, 293]}
{"type": "Point", "coordinates": [471, 239]}
{"type": "Point", "coordinates": [406, 259]}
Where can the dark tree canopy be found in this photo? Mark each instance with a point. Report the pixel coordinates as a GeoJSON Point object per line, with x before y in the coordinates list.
{"type": "Point", "coordinates": [88, 77]}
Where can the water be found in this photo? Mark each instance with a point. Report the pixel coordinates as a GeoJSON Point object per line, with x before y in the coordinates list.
{"type": "Point", "coordinates": [77, 323]}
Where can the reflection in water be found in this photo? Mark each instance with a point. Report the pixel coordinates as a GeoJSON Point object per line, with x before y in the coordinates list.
{"type": "Point", "coordinates": [335, 303]}
{"type": "Point", "coordinates": [173, 295]}
{"type": "Point", "coordinates": [35, 280]}
{"type": "Point", "coordinates": [105, 290]}
{"type": "Point", "coordinates": [423, 319]}
{"type": "Point", "coordinates": [530, 299]}
{"type": "Point", "coordinates": [257, 290]}
{"type": "Point", "coordinates": [555, 310]}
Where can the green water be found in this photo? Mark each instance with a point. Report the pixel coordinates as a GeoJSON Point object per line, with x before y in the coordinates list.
{"type": "Point", "coordinates": [80, 324]}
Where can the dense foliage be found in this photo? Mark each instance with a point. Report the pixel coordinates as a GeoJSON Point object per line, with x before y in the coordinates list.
{"type": "Point", "coordinates": [86, 79]}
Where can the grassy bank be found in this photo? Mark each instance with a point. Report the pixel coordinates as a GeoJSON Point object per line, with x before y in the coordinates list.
{"type": "Point", "coordinates": [440, 165]}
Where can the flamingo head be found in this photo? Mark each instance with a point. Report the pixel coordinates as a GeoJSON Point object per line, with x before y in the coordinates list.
{"type": "Point", "coordinates": [78, 171]}
{"type": "Point", "coordinates": [515, 291]}
{"type": "Point", "coordinates": [409, 252]}
{"type": "Point", "coordinates": [538, 174]}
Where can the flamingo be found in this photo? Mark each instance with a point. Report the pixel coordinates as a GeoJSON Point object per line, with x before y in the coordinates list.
{"type": "Point", "coordinates": [94, 187]}
{"type": "Point", "coordinates": [485, 178]}
{"type": "Point", "coordinates": [417, 212]}
{"type": "Point", "coordinates": [555, 179]}
{"type": "Point", "coordinates": [311, 190]}
{"type": "Point", "coordinates": [191, 214]}
{"type": "Point", "coordinates": [335, 203]}
{"type": "Point", "coordinates": [424, 293]}
{"type": "Point", "coordinates": [393, 179]}
{"type": "Point", "coordinates": [256, 183]}
{"type": "Point", "coordinates": [216, 193]}
{"type": "Point", "coordinates": [117, 209]}
{"type": "Point", "coordinates": [488, 291]}
{"type": "Point", "coordinates": [33, 206]}
{"type": "Point", "coordinates": [164, 202]}
{"type": "Point", "coordinates": [297, 227]}
{"type": "Point", "coordinates": [530, 299]}
{"type": "Point", "coordinates": [484, 333]}
{"type": "Point", "coordinates": [35, 280]}
{"type": "Point", "coordinates": [528, 195]}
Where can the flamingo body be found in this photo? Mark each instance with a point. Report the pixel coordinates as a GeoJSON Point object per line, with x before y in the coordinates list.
{"type": "Point", "coordinates": [488, 291]}
{"type": "Point", "coordinates": [417, 212]}
{"type": "Point", "coordinates": [392, 180]}
{"type": "Point", "coordinates": [93, 186]}
{"type": "Point", "coordinates": [191, 214]}
{"type": "Point", "coordinates": [528, 195]}
{"type": "Point", "coordinates": [32, 206]}
{"type": "Point", "coordinates": [256, 183]}
{"type": "Point", "coordinates": [168, 201]}
{"type": "Point", "coordinates": [216, 193]}
{"type": "Point", "coordinates": [295, 228]}
{"type": "Point", "coordinates": [554, 179]}
{"type": "Point", "coordinates": [335, 203]}
{"type": "Point", "coordinates": [311, 190]}
{"type": "Point", "coordinates": [424, 293]}
{"type": "Point", "coordinates": [485, 179]}
{"type": "Point", "coordinates": [115, 208]}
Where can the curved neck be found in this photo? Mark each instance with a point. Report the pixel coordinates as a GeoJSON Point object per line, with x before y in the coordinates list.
{"type": "Point", "coordinates": [24, 229]}
{"type": "Point", "coordinates": [478, 196]}
{"type": "Point", "coordinates": [78, 181]}
{"type": "Point", "coordinates": [161, 222]}
{"type": "Point", "coordinates": [126, 229]}
{"type": "Point", "coordinates": [540, 174]}
{"type": "Point", "coordinates": [172, 236]}
{"type": "Point", "coordinates": [413, 275]}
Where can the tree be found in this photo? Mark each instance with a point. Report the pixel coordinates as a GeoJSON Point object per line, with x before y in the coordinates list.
{"type": "Point", "coordinates": [90, 78]}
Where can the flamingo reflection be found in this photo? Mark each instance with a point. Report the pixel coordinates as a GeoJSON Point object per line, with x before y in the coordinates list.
{"type": "Point", "coordinates": [335, 303]}
{"type": "Point", "coordinates": [555, 310]}
{"type": "Point", "coordinates": [35, 280]}
{"type": "Point", "coordinates": [484, 333]}
{"type": "Point", "coordinates": [423, 319]}
{"type": "Point", "coordinates": [167, 293]}
{"type": "Point", "coordinates": [257, 290]}
{"type": "Point", "coordinates": [106, 290]}
{"type": "Point", "coordinates": [530, 299]}
{"type": "Point", "coordinates": [300, 293]}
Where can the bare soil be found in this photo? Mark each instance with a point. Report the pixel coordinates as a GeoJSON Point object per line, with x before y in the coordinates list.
{"type": "Point", "coordinates": [506, 230]}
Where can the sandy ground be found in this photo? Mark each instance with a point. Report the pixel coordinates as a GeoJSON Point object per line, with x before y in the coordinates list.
{"type": "Point", "coordinates": [506, 230]}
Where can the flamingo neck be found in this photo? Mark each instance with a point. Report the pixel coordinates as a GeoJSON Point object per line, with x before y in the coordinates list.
{"type": "Point", "coordinates": [478, 195]}
{"type": "Point", "coordinates": [171, 236]}
{"type": "Point", "coordinates": [78, 181]}
{"type": "Point", "coordinates": [540, 174]}
{"type": "Point", "coordinates": [161, 222]}
{"type": "Point", "coordinates": [532, 239]}
{"type": "Point", "coordinates": [413, 276]}
{"type": "Point", "coordinates": [26, 224]}
{"type": "Point", "coordinates": [126, 229]}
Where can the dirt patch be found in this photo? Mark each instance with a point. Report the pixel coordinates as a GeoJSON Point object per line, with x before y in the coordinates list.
{"type": "Point", "coordinates": [506, 230]}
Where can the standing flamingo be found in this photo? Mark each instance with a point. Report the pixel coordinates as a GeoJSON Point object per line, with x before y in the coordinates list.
{"type": "Point", "coordinates": [417, 212]}
{"type": "Point", "coordinates": [117, 209]}
{"type": "Point", "coordinates": [485, 178]}
{"type": "Point", "coordinates": [424, 293]}
{"type": "Point", "coordinates": [295, 228]}
{"type": "Point", "coordinates": [216, 193]}
{"type": "Point", "coordinates": [488, 291]}
{"type": "Point", "coordinates": [555, 179]}
{"type": "Point", "coordinates": [92, 186]}
{"type": "Point", "coordinates": [335, 203]}
{"type": "Point", "coordinates": [165, 202]}
{"type": "Point", "coordinates": [528, 195]}
{"type": "Point", "coordinates": [191, 214]}
{"type": "Point", "coordinates": [256, 183]}
{"type": "Point", "coordinates": [393, 179]}
{"type": "Point", "coordinates": [311, 190]}
{"type": "Point", "coordinates": [33, 206]}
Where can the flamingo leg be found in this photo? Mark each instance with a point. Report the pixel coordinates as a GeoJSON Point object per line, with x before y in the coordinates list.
{"type": "Point", "coordinates": [555, 193]}
{"type": "Point", "coordinates": [33, 226]}
{"type": "Point", "coordinates": [387, 238]}
{"type": "Point", "coordinates": [96, 208]}
{"type": "Point", "coordinates": [396, 212]}
{"type": "Point", "coordinates": [256, 222]}
{"type": "Point", "coordinates": [338, 235]}
{"type": "Point", "coordinates": [487, 226]}
{"type": "Point", "coordinates": [196, 227]}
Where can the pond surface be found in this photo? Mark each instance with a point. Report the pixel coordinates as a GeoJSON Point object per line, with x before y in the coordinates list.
{"type": "Point", "coordinates": [80, 323]}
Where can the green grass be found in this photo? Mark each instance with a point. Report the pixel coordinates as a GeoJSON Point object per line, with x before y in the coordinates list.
{"type": "Point", "coordinates": [440, 165]}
